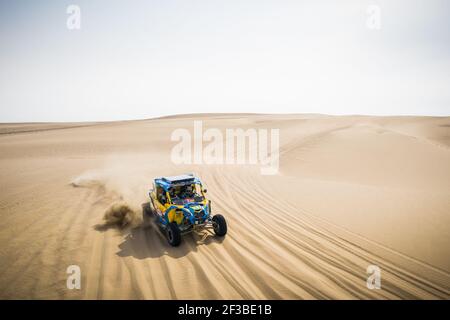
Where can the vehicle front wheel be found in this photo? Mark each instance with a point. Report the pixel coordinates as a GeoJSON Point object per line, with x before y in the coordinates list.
{"type": "Point", "coordinates": [173, 234]}
{"type": "Point", "coordinates": [219, 225]}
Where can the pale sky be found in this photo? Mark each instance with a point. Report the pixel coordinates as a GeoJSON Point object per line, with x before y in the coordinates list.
{"type": "Point", "coordinates": [142, 59]}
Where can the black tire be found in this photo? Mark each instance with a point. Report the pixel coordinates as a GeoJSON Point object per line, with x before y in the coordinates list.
{"type": "Point", "coordinates": [147, 209]}
{"type": "Point", "coordinates": [219, 225]}
{"type": "Point", "coordinates": [173, 234]}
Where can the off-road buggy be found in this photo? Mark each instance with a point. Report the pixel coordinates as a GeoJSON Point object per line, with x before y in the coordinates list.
{"type": "Point", "coordinates": [179, 206]}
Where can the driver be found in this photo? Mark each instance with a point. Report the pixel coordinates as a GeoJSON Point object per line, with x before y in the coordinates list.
{"type": "Point", "coordinates": [187, 192]}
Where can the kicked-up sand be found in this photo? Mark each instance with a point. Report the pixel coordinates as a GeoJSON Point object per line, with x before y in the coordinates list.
{"type": "Point", "coordinates": [351, 191]}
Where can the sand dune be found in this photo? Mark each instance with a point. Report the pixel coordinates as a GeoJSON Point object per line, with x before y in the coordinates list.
{"type": "Point", "coordinates": [352, 191]}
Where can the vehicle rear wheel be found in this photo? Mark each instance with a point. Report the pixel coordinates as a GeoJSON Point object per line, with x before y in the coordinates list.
{"type": "Point", "coordinates": [219, 225]}
{"type": "Point", "coordinates": [147, 209]}
{"type": "Point", "coordinates": [173, 234]}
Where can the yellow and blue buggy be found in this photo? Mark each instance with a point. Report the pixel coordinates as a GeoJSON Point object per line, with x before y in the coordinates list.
{"type": "Point", "coordinates": [180, 206]}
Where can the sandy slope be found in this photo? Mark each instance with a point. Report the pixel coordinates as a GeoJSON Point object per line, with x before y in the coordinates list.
{"type": "Point", "coordinates": [352, 191]}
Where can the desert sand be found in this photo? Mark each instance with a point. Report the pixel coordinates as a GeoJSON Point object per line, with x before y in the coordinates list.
{"type": "Point", "coordinates": [351, 191]}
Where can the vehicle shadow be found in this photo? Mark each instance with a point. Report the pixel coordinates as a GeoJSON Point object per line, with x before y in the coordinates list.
{"type": "Point", "coordinates": [148, 241]}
